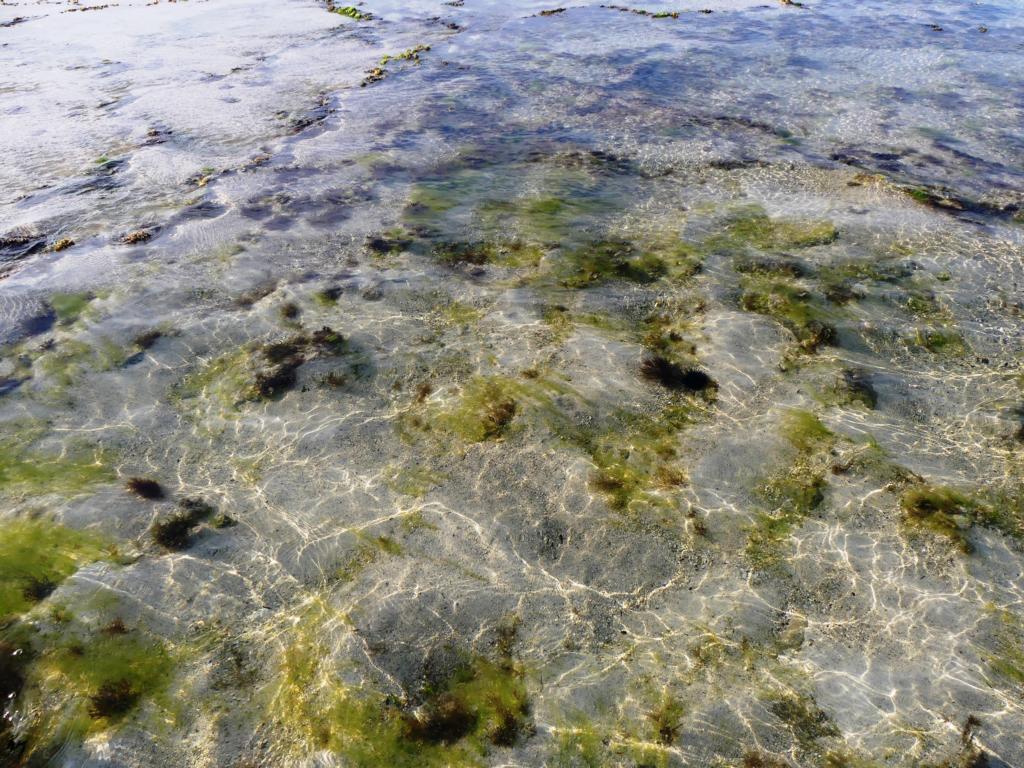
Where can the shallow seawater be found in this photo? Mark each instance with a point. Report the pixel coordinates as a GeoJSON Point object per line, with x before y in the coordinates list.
{"type": "Point", "coordinates": [460, 384]}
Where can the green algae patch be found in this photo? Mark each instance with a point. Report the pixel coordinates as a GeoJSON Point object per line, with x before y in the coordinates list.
{"type": "Point", "coordinates": [940, 341]}
{"type": "Point", "coordinates": [85, 680]}
{"type": "Point", "coordinates": [415, 481]}
{"type": "Point", "coordinates": [636, 458]}
{"type": "Point", "coordinates": [851, 388]}
{"type": "Point", "coordinates": [603, 260]}
{"type": "Point", "coordinates": [459, 314]}
{"type": "Point", "coordinates": [1005, 657]}
{"type": "Point", "coordinates": [512, 254]}
{"type": "Point", "coordinates": [36, 556]}
{"type": "Point", "coordinates": [789, 303]}
{"type": "Point", "coordinates": [768, 537]}
{"type": "Point", "coordinates": [582, 742]}
{"type": "Point", "coordinates": [352, 12]}
{"type": "Point", "coordinates": [569, 201]}
{"type": "Point", "coordinates": [69, 306]}
{"type": "Point", "coordinates": [807, 723]}
{"type": "Point", "coordinates": [805, 432]}
{"type": "Point", "coordinates": [636, 461]}
{"type": "Point", "coordinates": [112, 670]}
{"type": "Point", "coordinates": [69, 359]}
{"type": "Point", "coordinates": [751, 226]}
{"type": "Point", "coordinates": [255, 372]}
{"type": "Point", "coordinates": [793, 492]}
{"type": "Point", "coordinates": [942, 511]}
{"type": "Point", "coordinates": [367, 552]}
{"type": "Point", "coordinates": [952, 513]}
{"type": "Point", "coordinates": [641, 261]}
{"type": "Point", "coordinates": [225, 380]}
{"type": "Point", "coordinates": [485, 408]}
{"type": "Point", "coordinates": [25, 470]}
{"type": "Point", "coordinates": [838, 280]}
{"type": "Point", "coordinates": [483, 705]}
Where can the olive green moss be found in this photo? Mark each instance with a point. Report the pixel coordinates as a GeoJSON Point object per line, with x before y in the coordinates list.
{"type": "Point", "coordinates": [484, 705]}
{"type": "Point", "coordinates": [791, 304]}
{"type": "Point", "coordinates": [36, 556]}
{"type": "Point", "coordinates": [939, 510]}
{"type": "Point", "coordinates": [636, 459]}
{"type": "Point", "coordinates": [352, 12]}
{"type": "Point", "coordinates": [254, 372]}
{"type": "Point", "coordinates": [368, 550]}
{"type": "Point", "coordinates": [28, 470]}
{"type": "Point", "coordinates": [807, 723]}
{"type": "Point", "coordinates": [415, 481]}
{"type": "Point", "coordinates": [791, 493]}
{"type": "Point", "coordinates": [1005, 656]}
{"type": "Point", "coordinates": [940, 341]}
{"type": "Point", "coordinates": [752, 227]}
{"type": "Point", "coordinates": [69, 306]}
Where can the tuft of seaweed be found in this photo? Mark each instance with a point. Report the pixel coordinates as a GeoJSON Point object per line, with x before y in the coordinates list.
{"type": "Point", "coordinates": [145, 488]}
{"type": "Point", "coordinates": [174, 532]}
{"type": "Point", "coordinates": [671, 376]}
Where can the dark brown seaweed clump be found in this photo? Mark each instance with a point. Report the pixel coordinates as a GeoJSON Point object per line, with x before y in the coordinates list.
{"type": "Point", "coordinates": [671, 376]}
{"type": "Point", "coordinates": [858, 384]}
{"type": "Point", "coordinates": [505, 731]}
{"type": "Point", "coordinates": [444, 720]}
{"type": "Point", "coordinates": [147, 339]}
{"type": "Point", "coordinates": [112, 699]}
{"type": "Point", "coordinates": [145, 488]}
{"type": "Point", "coordinates": [497, 415]}
{"type": "Point", "coordinates": [36, 590]}
{"type": "Point", "coordinates": [175, 532]}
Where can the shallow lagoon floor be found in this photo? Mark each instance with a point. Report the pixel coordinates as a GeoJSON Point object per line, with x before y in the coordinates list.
{"type": "Point", "coordinates": [479, 384]}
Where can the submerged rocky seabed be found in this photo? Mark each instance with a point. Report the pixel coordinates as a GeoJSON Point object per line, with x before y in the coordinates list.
{"type": "Point", "coordinates": [475, 383]}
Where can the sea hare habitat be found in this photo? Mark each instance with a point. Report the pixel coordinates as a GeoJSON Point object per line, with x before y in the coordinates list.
{"type": "Point", "coordinates": [465, 384]}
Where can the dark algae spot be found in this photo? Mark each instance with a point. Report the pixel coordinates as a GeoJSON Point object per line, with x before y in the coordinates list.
{"type": "Point", "coordinates": [175, 531]}
{"type": "Point", "coordinates": [113, 699]}
{"type": "Point", "coordinates": [941, 510]}
{"type": "Point", "coordinates": [671, 376]}
{"type": "Point", "coordinates": [145, 488]}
